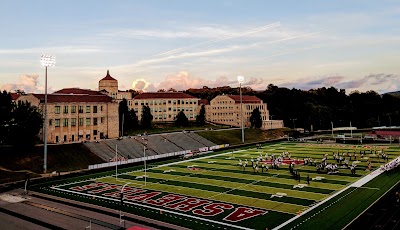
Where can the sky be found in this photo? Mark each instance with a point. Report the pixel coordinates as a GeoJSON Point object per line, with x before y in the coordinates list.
{"type": "Point", "coordinates": [155, 44]}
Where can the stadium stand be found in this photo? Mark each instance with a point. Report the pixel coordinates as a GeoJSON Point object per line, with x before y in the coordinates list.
{"type": "Point", "coordinates": [184, 141]}
{"type": "Point", "coordinates": [201, 139]}
{"type": "Point", "coordinates": [132, 147]}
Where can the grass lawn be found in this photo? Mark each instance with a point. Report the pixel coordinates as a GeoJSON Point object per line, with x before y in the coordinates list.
{"type": "Point", "coordinates": [171, 127]}
{"type": "Point", "coordinates": [214, 192]}
{"type": "Point", "coordinates": [67, 157]}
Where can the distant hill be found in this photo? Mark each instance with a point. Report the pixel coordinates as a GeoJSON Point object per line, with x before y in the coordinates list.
{"type": "Point", "coordinates": [396, 93]}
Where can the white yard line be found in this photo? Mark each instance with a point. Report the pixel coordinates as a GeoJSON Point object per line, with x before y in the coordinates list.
{"type": "Point", "coordinates": [357, 184]}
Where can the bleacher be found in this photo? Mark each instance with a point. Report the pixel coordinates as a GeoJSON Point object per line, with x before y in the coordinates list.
{"type": "Point", "coordinates": [201, 139]}
{"type": "Point", "coordinates": [132, 147]}
{"type": "Point", "coordinates": [184, 141]}
{"type": "Point", "coordinates": [101, 149]}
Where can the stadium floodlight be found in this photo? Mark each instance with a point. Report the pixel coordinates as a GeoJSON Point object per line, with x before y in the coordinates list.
{"type": "Point", "coordinates": [116, 162]}
{"type": "Point", "coordinates": [46, 61]}
{"type": "Point", "coordinates": [144, 157]}
{"type": "Point", "coordinates": [241, 80]}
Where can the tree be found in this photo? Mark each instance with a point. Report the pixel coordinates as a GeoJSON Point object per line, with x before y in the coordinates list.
{"type": "Point", "coordinates": [255, 118]}
{"type": "Point", "coordinates": [25, 125]}
{"type": "Point", "coordinates": [147, 118]}
{"type": "Point", "coordinates": [134, 122]}
{"type": "Point", "coordinates": [127, 118]}
{"type": "Point", "coordinates": [201, 117]}
{"type": "Point", "coordinates": [6, 108]}
{"type": "Point", "coordinates": [181, 119]}
{"type": "Point", "coordinates": [123, 114]}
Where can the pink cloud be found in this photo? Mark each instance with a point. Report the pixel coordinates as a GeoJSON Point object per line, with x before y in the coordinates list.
{"type": "Point", "coordinates": [27, 83]}
{"type": "Point", "coordinates": [184, 80]}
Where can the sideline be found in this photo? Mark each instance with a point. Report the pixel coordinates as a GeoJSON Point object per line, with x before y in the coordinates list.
{"type": "Point", "coordinates": [356, 184]}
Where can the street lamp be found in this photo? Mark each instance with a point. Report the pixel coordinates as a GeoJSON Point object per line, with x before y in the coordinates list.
{"type": "Point", "coordinates": [241, 80]}
{"type": "Point", "coordinates": [332, 128]}
{"type": "Point", "coordinates": [46, 61]}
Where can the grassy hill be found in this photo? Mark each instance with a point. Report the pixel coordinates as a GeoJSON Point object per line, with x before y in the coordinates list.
{"type": "Point", "coordinates": [66, 157]}
{"type": "Point", "coordinates": [234, 137]}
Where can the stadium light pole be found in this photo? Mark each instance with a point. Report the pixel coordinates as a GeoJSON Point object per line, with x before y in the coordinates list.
{"type": "Point", "coordinates": [116, 162]}
{"type": "Point", "coordinates": [351, 130]}
{"type": "Point", "coordinates": [46, 61]}
{"type": "Point", "coordinates": [145, 171]}
{"type": "Point", "coordinates": [241, 80]}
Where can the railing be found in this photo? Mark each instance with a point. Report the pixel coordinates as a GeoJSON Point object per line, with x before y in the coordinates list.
{"type": "Point", "coordinates": [110, 164]}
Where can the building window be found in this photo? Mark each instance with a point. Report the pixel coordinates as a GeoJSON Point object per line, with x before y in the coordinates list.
{"type": "Point", "coordinates": [65, 124]}
{"type": "Point", "coordinates": [94, 109]}
{"type": "Point", "coordinates": [66, 109]}
{"type": "Point", "coordinates": [50, 122]}
{"type": "Point", "coordinates": [73, 121]}
{"type": "Point", "coordinates": [101, 120]}
{"type": "Point", "coordinates": [94, 132]}
{"type": "Point", "coordinates": [95, 121]}
{"type": "Point", "coordinates": [80, 109]}
{"type": "Point", "coordinates": [73, 109]}
{"type": "Point", "coordinates": [80, 121]}
{"type": "Point", "coordinates": [87, 109]}
{"type": "Point", "coordinates": [87, 121]}
{"type": "Point", "coordinates": [57, 110]}
{"type": "Point", "coordinates": [57, 123]}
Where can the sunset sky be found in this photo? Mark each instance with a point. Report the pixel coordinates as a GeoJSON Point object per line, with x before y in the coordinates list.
{"type": "Point", "coordinates": [149, 45]}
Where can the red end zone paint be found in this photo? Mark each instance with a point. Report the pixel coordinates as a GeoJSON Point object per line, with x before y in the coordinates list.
{"type": "Point", "coordinates": [174, 202]}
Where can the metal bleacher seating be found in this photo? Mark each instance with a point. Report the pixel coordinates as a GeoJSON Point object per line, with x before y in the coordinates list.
{"type": "Point", "coordinates": [184, 141]}
{"type": "Point", "coordinates": [201, 139]}
{"type": "Point", "coordinates": [132, 147]}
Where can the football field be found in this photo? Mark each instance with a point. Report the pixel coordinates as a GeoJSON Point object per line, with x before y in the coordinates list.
{"type": "Point", "coordinates": [215, 191]}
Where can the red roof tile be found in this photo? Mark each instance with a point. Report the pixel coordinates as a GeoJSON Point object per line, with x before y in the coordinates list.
{"type": "Point", "coordinates": [108, 77]}
{"type": "Point", "coordinates": [14, 96]}
{"type": "Point", "coordinates": [77, 91]}
{"type": "Point", "coordinates": [54, 98]}
{"type": "Point", "coordinates": [246, 99]}
{"type": "Point", "coordinates": [164, 95]}
{"type": "Point", "coordinates": [203, 102]}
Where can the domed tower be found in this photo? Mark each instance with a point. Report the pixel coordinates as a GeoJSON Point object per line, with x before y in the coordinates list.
{"type": "Point", "coordinates": [109, 85]}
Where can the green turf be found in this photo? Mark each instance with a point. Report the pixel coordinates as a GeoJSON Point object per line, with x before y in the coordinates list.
{"type": "Point", "coordinates": [218, 178]}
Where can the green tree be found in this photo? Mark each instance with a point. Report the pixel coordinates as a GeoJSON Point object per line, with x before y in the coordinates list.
{"type": "Point", "coordinates": [201, 117]}
{"type": "Point", "coordinates": [123, 114]}
{"type": "Point", "coordinates": [133, 120]}
{"type": "Point", "coordinates": [25, 125]}
{"type": "Point", "coordinates": [127, 118]}
{"type": "Point", "coordinates": [181, 119]}
{"type": "Point", "coordinates": [255, 118]}
{"type": "Point", "coordinates": [147, 117]}
{"type": "Point", "coordinates": [6, 108]}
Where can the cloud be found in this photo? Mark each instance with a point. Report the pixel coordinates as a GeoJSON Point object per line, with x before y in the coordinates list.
{"type": "Point", "coordinates": [380, 82]}
{"type": "Point", "coordinates": [27, 83]}
{"type": "Point", "coordinates": [183, 80]}
{"type": "Point", "coordinates": [222, 38]}
{"type": "Point", "coordinates": [56, 50]}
